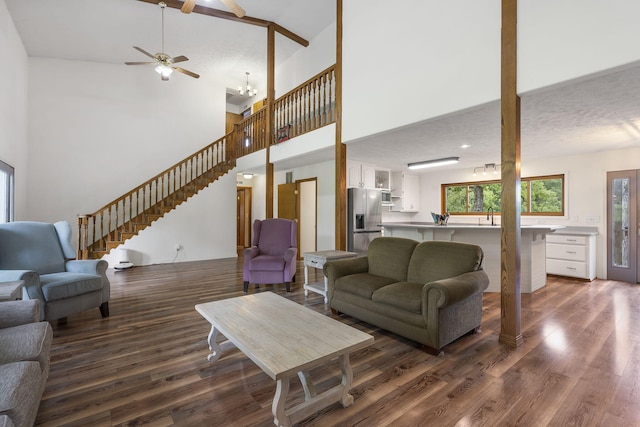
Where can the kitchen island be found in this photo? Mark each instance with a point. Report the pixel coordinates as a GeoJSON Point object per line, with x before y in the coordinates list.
{"type": "Point", "coordinates": [533, 273]}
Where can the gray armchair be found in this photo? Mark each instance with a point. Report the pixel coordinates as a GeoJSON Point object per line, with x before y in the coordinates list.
{"type": "Point", "coordinates": [41, 254]}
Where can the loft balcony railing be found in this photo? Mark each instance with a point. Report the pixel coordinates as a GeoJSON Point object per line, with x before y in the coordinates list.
{"type": "Point", "coordinates": [308, 107]}
{"type": "Point", "coordinates": [303, 109]}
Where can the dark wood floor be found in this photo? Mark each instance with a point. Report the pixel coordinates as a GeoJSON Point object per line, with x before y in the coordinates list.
{"type": "Point", "coordinates": [147, 363]}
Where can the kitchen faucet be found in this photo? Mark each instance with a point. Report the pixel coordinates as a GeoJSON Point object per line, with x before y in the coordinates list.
{"type": "Point", "coordinates": [490, 210]}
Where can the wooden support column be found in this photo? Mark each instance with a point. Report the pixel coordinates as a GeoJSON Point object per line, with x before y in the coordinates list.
{"type": "Point", "coordinates": [270, 134]}
{"type": "Point", "coordinates": [510, 213]}
{"type": "Point", "coordinates": [340, 148]}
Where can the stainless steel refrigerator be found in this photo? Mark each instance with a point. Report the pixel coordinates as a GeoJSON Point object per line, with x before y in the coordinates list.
{"type": "Point", "coordinates": [364, 215]}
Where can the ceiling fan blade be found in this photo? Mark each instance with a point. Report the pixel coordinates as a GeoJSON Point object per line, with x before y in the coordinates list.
{"type": "Point", "coordinates": [144, 51]}
{"type": "Point", "coordinates": [139, 63]}
{"type": "Point", "coordinates": [187, 72]}
{"type": "Point", "coordinates": [180, 58]}
{"type": "Point", "coordinates": [187, 6]}
{"type": "Point", "coordinates": [234, 7]}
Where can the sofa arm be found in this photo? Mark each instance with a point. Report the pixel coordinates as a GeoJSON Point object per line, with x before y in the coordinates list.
{"type": "Point", "coordinates": [449, 291]}
{"type": "Point", "coordinates": [88, 266]}
{"type": "Point", "coordinates": [250, 252]}
{"type": "Point", "coordinates": [31, 281]}
{"type": "Point", "coordinates": [333, 270]}
{"type": "Point", "coordinates": [290, 255]}
{"type": "Point", "coordinates": [14, 313]}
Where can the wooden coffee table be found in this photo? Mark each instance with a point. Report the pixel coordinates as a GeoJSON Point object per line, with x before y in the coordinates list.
{"type": "Point", "coordinates": [285, 339]}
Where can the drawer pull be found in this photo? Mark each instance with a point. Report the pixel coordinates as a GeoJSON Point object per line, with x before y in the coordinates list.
{"type": "Point", "coordinates": [571, 268]}
{"type": "Point", "coordinates": [571, 252]}
{"type": "Point", "coordinates": [571, 240]}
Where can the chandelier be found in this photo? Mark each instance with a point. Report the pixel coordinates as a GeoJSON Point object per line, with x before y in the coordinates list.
{"type": "Point", "coordinates": [247, 89]}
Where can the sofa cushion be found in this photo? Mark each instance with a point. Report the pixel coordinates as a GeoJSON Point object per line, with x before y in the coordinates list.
{"type": "Point", "coordinates": [268, 263]}
{"type": "Point", "coordinates": [362, 284]}
{"type": "Point", "coordinates": [403, 295]}
{"type": "Point", "coordinates": [389, 257]}
{"type": "Point", "coordinates": [435, 260]}
{"type": "Point", "coordinates": [28, 342]}
{"type": "Point", "coordinates": [57, 286]}
{"type": "Point", "coordinates": [20, 384]}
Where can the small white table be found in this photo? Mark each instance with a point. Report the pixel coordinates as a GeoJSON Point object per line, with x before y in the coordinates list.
{"type": "Point", "coordinates": [286, 339]}
{"type": "Point", "coordinates": [317, 260]}
{"type": "Point", "coordinates": [10, 291]}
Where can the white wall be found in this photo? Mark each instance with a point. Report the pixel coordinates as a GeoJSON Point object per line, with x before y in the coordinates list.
{"type": "Point", "coordinates": [306, 62]}
{"type": "Point", "coordinates": [574, 38]}
{"type": "Point", "coordinates": [434, 58]}
{"type": "Point", "coordinates": [585, 186]}
{"type": "Point", "coordinates": [446, 55]}
{"type": "Point", "coordinates": [13, 106]}
{"type": "Point", "coordinates": [98, 130]}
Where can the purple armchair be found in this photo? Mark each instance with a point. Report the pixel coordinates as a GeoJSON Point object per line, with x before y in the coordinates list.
{"type": "Point", "coordinates": [272, 258]}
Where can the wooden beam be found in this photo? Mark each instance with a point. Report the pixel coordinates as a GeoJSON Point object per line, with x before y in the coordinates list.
{"type": "Point", "coordinates": [269, 127]}
{"type": "Point", "coordinates": [216, 13]}
{"type": "Point", "coordinates": [340, 148]}
{"type": "Point", "coordinates": [510, 213]}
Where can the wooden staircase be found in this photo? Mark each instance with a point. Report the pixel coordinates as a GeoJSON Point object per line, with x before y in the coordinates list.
{"type": "Point", "coordinates": [125, 217]}
{"type": "Point", "coordinates": [303, 109]}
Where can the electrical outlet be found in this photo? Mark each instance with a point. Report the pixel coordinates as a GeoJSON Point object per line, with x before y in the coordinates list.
{"type": "Point", "coordinates": [592, 218]}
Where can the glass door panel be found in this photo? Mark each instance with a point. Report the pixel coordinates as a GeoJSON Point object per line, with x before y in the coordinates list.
{"type": "Point", "coordinates": [622, 230]}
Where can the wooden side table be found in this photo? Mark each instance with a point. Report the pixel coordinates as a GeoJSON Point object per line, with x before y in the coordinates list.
{"type": "Point", "coordinates": [317, 260]}
{"type": "Point", "coordinates": [10, 291]}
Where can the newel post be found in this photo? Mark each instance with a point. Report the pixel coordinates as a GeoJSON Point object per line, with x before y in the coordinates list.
{"type": "Point", "coordinates": [83, 222]}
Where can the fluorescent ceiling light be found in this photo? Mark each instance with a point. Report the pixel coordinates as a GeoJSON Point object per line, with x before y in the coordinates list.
{"type": "Point", "coordinates": [247, 175]}
{"type": "Point", "coordinates": [433, 163]}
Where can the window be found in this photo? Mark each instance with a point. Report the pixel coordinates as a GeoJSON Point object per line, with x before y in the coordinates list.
{"type": "Point", "coordinates": [540, 195]}
{"type": "Point", "coordinates": [6, 192]}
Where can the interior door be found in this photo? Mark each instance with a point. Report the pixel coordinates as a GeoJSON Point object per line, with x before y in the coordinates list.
{"type": "Point", "coordinates": [288, 201]}
{"type": "Point", "coordinates": [243, 212]}
{"type": "Point", "coordinates": [298, 201]}
{"type": "Point", "coordinates": [623, 229]}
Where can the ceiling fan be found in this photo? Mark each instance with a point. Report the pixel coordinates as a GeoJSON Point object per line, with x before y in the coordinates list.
{"type": "Point", "coordinates": [188, 6]}
{"type": "Point", "coordinates": [164, 63]}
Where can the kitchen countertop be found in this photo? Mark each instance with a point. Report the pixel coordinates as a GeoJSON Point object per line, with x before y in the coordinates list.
{"type": "Point", "coordinates": [587, 231]}
{"type": "Point", "coordinates": [539, 227]}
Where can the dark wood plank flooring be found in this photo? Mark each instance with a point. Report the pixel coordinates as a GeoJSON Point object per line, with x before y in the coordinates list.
{"type": "Point", "coordinates": [147, 363]}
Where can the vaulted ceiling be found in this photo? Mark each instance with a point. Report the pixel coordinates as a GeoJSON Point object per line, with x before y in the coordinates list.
{"type": "Point", "coordinates": [593, 114]}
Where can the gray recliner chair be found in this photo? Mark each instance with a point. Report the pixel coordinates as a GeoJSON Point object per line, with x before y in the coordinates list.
{"type": "Point", "coordinates": [41, 254]}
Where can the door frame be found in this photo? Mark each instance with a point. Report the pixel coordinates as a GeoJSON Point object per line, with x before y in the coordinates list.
{"type": "Point", "coordinates": [246, 224]}
{"type": "Point", "coordinates": [301, 223]}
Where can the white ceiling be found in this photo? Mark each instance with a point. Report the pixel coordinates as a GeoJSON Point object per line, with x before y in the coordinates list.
{"type": "Point", "coordinates": [598, 113]}
{"type": "Point", "coordinates": [106, 30]}
{"type": "Point", "coordinates": [594, 114]}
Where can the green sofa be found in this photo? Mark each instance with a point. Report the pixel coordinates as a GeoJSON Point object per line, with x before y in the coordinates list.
{"type": "Point", "coordinates": [429, 292]}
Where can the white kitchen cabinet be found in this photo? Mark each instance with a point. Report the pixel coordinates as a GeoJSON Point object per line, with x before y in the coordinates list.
{"type": "Point", "coordinates": [405, 192]}
{"type": "Point", "coordinates": [367, 175]}
{"type": "Point", "coordinates": [572, 252]}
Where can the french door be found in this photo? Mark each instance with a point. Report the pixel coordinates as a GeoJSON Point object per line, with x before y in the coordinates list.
{"type": "Point", "coordinates": [623, 229]}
